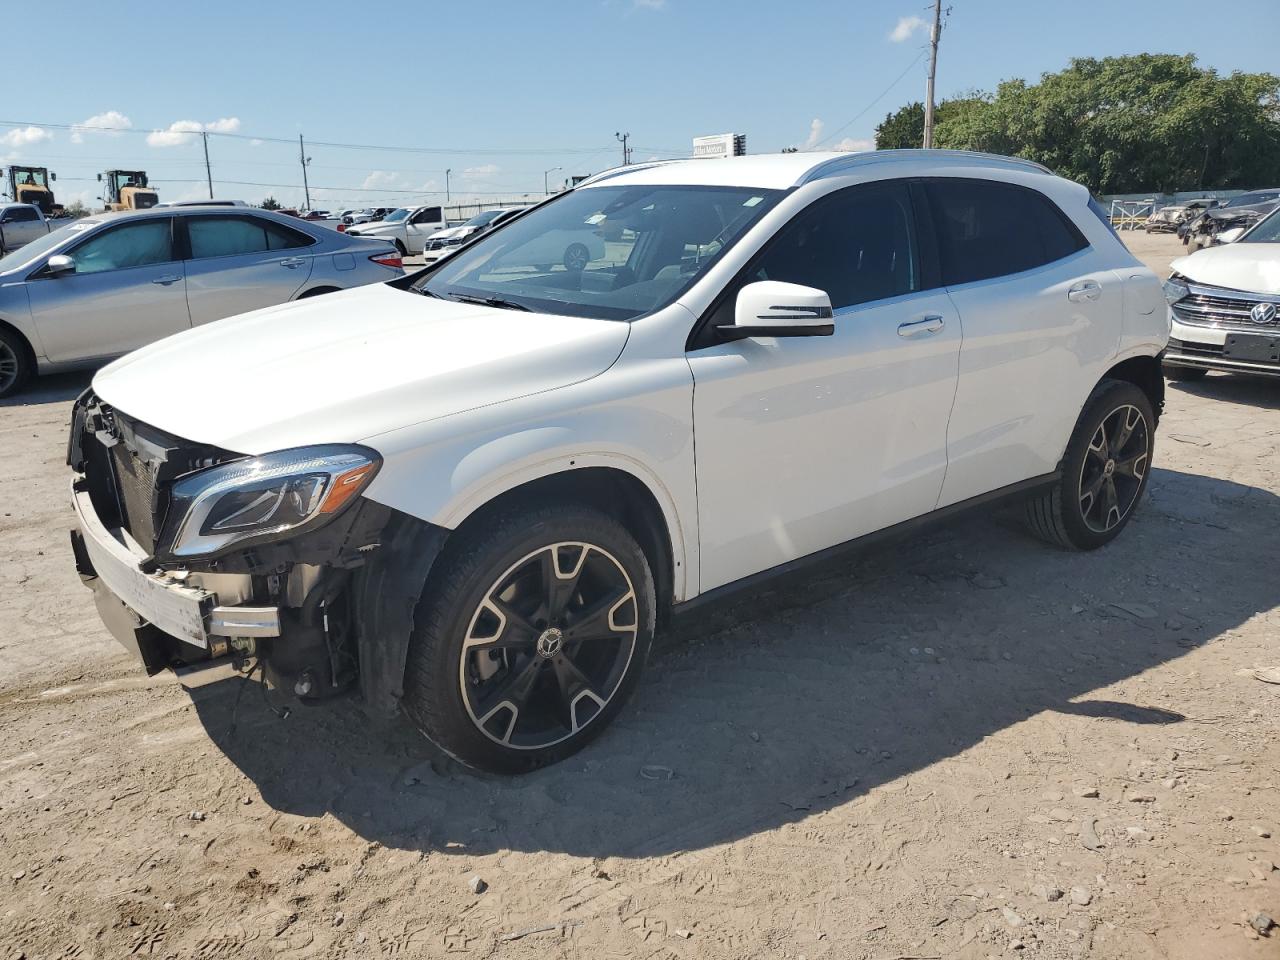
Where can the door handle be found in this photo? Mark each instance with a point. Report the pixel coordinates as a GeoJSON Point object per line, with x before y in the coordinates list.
{"type": "Point", "coordinates": [1084, 290]}
{"type": "Point", "coordinates": [921, 327]}
{"type": "Point", "coordinates": [292, 262]}
{"type": "Point", "coordinates": [165, 281]}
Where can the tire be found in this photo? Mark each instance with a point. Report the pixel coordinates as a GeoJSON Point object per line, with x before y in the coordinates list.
{"type": "Point", "coordinates": [1185, 374]}
{"type": "Point", "coordinates": [16, 365]}
{"type": "Point", "coordinates": [576, 257]}
{"type": "Point", "coordinates": [1099, 488]}
{"type": "Point", "coordinates": [495, 676]}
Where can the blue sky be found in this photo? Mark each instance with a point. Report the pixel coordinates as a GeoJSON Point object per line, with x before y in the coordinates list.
{"type": "Point", "coordinates": [503, 90]}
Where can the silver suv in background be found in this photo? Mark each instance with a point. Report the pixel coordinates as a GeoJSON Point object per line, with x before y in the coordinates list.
{"type": "Point", "coordinates": [107, 284]}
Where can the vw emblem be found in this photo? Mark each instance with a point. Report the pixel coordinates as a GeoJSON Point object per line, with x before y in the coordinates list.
{"type": "Point", "coordinates": [1263, 313]}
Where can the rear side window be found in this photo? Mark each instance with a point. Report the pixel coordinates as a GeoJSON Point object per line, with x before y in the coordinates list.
{"type": "Point", "coordinates": [987, 229]}
{"type": "Point", "coordinates": [232, 236]}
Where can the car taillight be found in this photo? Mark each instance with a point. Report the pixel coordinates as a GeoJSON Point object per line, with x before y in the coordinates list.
{"type": "Point", "coordinates": [388, 259]}
{"type": "Point", "coordinates": [342, 228]}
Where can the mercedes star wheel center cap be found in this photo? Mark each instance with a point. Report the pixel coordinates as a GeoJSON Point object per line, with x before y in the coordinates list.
{"type": "Point", "coordinates": [549, 642]}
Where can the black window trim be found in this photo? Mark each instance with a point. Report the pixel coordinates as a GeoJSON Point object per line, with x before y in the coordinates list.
{"type": "Point", "coordinates": [703, 334]}
{"type": "Point", "coordinates": [1082, 241]}
{"type": "Point", "coordinates": [184, 245]}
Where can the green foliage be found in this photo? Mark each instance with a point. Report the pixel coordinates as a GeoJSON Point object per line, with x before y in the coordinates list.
{"type": "Point", "coordinates": [76, 208]}
{"type": "Point", "coordinates": [1120, 124]}
{"type": "Point", "coordinates": [271, 203]}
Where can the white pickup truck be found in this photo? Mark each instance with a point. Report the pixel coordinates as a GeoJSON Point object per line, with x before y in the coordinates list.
{"type": "Point", "coordinates": [20, 223]}
{"type": "Point", "coordinates": [408, 227]}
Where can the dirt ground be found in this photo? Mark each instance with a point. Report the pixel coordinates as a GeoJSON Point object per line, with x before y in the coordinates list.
{"type": "Point", "coordinates": [965, 745]}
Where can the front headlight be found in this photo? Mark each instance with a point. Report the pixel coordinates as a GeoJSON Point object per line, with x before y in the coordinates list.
{"type": "Point", "coordinates": [1175, 288]}
{"type": "Point", "coordinates": [264, 498]}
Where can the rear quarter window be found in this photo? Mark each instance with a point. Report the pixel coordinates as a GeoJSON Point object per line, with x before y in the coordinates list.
{"type": "Point", "coordinates": [987, 228]}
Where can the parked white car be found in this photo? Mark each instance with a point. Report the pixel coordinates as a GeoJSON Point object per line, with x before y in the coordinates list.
{"type": "Point", "coordinates": [1224, 306]}
{"type": "Point", "coordinates": [444, 242]}
{"type": "Point", "coordinates": [473, 493]}
{"type": "Point", "coordinates": [407, 228]}
{"type": "Point", "coordinates": [20, 223]}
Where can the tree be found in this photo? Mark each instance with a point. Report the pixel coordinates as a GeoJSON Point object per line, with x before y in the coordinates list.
{"type": "Point", "coordinates": [1152, 122]}
{"type": "Point", "coordinates": [75, 208]}
{"type": "Point", "coordinates": [271, 203]}
{"type": "Point", "coordinates": [904, 129]}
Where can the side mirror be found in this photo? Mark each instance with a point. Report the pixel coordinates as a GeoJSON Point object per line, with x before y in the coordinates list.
{"type": "Point", "coordinates": [60, 265]}
{"type": "Point", "coordinates": [771, 308]}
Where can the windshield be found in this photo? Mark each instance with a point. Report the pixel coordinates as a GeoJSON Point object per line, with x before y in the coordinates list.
{"type": "Point", "coordinates": [1267, 230]}
{"type": "Point", "coordinates": [480, 219]}
{"type": "Point", "coordinates": [1246, 199]}
{"type": "Point", "coordinates": [42, 245]}
{"type": "Point", "coordinates": [610, 253]}
{"type": "Point", "coordinates": [395, 215]}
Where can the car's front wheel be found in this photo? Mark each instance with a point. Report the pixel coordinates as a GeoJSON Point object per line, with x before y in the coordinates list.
{"type": "Point", "coordinates": [531, 635]}
{"type": "Point", "coordinates": [1104, 472]}
{"type": "Point", "coordinates": [15, 362]}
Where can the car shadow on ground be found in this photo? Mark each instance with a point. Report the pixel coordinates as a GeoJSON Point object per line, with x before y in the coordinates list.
{"type": "Point", "coordinates": [1238, 388]}
{"type": "Point", "coordinates": [50, 389]}
{"type": "Point", "coordinates": [813, 692]}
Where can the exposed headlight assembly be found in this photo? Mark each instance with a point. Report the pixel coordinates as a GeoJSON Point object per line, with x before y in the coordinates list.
{"type": "Point", "coordinates": [264, 498]}
{"type": "Point", "coordinates": [1175, 288]}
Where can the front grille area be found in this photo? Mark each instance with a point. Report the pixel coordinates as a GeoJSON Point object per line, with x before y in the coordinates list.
{"type": "Point", "coordinates": [129, 466]}
{"type": "Point", "coordinates": [1209, 351]}
{"type": "Point", "coordinates": [1223, 307]}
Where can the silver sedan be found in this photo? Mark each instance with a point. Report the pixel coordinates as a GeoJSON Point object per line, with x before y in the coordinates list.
{"type": "Point", "coordinates": [110, 283]}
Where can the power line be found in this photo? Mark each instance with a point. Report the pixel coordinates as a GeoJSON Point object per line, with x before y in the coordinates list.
{"type": "Point", "coordinates": [877, 99]}
{"type": "Point", "coordinates": [191, 134]}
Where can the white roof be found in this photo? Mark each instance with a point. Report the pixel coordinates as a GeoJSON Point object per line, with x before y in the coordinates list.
{"type": "Point", "coordinates": [780, 171]}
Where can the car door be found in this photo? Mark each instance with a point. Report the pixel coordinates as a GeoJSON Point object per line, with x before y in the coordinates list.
{"type": "Point", "coordinates": [1041, 313]}
{"type": "Point", "coordinates": [241, 262]}
{"type": "Point", "coordinates": [422, 223]}
{"type": "Point", "coordinates": [127, 291]}
{"type": "Point", "coordinates": [804, 443]}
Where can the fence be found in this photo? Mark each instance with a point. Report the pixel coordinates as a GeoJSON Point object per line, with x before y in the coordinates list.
{"type": "Point", "coordinates": [1131, 211]}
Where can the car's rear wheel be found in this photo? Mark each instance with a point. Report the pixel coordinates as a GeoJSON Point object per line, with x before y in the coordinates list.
{"type": "Point", "coordinates": [1185, 373]}
{"type": "Point", "coordinates": [531, 635]}
{"type": "Point", "coordinates": [1104, 472]}
{"type": "Point", "coordinates": [15, 362]}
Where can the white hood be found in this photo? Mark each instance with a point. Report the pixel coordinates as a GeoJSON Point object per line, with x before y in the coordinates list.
{"type": "Point", "coordinates": [347, 366]}
{"type": "Point", "coordinates": [1254, 267]}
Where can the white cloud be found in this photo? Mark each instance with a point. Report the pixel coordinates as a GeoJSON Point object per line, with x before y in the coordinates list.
{"type": "Point", "coordinates": [111, 123]}
{"type": "Point", "coordinates": [393, 182]}
{"type": "Point", "coordinates": [184, 131]}
{"type": "Point", "coordinates": [255, 142]}
{"type": "Point", "coordinates": [481, 172]}
{"type": "Point", "coordinates": [850, 145]}
{"type": "Point", "coordinates": [906, 28]}
{"type": "Point", "coordinates": [648, 4]}
{"type": "Point", "coordinates": [25, 136]}
{"type": "Point", "coordinates": [815, 134]}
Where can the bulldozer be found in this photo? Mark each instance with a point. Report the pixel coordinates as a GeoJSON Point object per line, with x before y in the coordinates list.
{"type": "Point", "coordinates": [31, 185]}
{"type": "Point", "coordinates": [127, 190]}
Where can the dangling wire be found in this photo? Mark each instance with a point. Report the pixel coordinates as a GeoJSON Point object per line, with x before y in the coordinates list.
{"type": "Point", "coordinates": [281, 712]}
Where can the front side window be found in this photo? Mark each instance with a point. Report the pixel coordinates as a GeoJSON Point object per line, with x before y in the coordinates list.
{"type": "Point", "coordinates": [21, 215]}
{"type": "Point", "coordinates": [858, 245]}
{"type": "Point", "coordinates": [137, 244]}
{"type": "Point", "coordinates": [237, 236]}
{"type": "Point", "coordinates": [607, 252]}
{"type": "Point", "coordinates": [987, 228]}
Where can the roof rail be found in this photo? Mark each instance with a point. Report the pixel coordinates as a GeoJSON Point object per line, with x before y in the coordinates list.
{"type": "Point", "coordinates": [844, 164]}
{"type": "Point", "coordinates": [619, 171]}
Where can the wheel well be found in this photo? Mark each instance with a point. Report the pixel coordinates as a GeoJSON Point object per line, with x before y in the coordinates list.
{"type": "Point", "coordinates": [316, 291]}
{"type": "Point", "coordinates": [1145, 374]}
{"type": "Point", "coordinates": [612, 492]}
{"type": "Point", "coordinates": [22, 341]}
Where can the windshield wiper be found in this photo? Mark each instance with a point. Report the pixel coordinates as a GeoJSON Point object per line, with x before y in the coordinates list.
{"type": "Point", "coordinates": [491, 302]}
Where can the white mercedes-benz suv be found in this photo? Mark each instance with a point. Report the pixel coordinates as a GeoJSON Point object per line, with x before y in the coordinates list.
{"type": "Point", "coordinates": [471, 494]}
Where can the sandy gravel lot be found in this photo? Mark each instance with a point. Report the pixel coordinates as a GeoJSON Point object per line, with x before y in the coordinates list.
{"type": "Point", "coordinates": [965, 745]}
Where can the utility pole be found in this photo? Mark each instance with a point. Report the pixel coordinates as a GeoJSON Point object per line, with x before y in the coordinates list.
{"type": "Point", "coordinates": [207, 171]}
{"type": "Point", "coordinates": [933, 72]}
{"type": "Point", "coordinates": [302, 155]}
{"type": "Point", "coordinates": [626, 150]}
{"type": "Point", "coordinates": [446, 184]}
{"type": "Point", "coordinates": [545, 187]}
